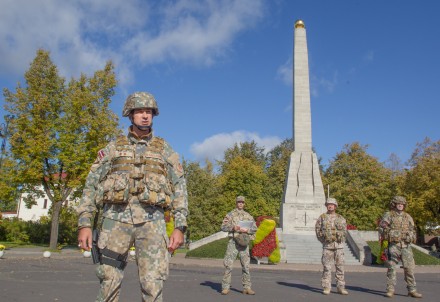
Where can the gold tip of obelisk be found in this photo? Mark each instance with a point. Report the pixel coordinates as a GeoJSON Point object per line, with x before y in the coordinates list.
{"type": "Point", "coordinates": [299, 24]}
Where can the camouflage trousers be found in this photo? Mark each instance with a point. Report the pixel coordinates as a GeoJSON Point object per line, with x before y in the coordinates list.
{"type": "Point", "coordinates": [395, 252]}
{"type": "Point", "coordinates": [152, 257]}
{"type": "Point", "coordinates": [328, 257]}
{"type": "Point", "coordinates": [231, 254]}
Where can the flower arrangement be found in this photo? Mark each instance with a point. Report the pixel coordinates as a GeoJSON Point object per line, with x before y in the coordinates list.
{"type": "Point", "coordinates": [2, 247]}
{"type": "Point", "coordinates": [169, 220]}
{"type": "Point", "coordinates": [266, 242]}
{"type": "Point", "coordinates": [351, 227]}
{"type": "Point", "coordinates": [383, 257]}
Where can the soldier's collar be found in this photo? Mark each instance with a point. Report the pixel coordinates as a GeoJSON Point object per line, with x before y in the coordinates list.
{"type": "Point", "coordinates": [133, 136]}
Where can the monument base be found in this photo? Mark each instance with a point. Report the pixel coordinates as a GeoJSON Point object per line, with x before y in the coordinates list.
{"type": "Point", "coordinates": [304, 196]}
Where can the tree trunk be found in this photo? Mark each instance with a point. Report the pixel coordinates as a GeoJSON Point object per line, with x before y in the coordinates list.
{"type": "Point", "coordinates": [56, 210]}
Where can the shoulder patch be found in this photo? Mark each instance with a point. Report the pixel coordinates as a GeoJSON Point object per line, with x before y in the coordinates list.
{"type": "Point", "coordinates": [101, 154]}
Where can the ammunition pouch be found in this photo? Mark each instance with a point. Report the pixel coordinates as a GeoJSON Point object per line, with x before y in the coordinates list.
{"type": "Point", "coordinates": [330, 235]}
{"type": "Point", "coordinates": [116, 188]}
{"type": "Point", "coordinates": [340, 236]}
{"type": "Point", "coordinates": [394, 236]}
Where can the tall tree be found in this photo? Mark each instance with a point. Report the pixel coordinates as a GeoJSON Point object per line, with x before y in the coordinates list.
{"type": "Point", "coordinates": [8, 198]}
{"type": "Point", "coordinates": [249, 150]}
{"type": "Point", "coordinates": [422, 185]}
{"type": "Point", "coordinates": [242, 173]}
{"type": "Point", "coordinates": [361, 184]}
{"type": "Point", "coordinates": [58, 129]}
{"type": "Point", "coordinates": [277, 161]}
{"type": "Point", "coordinates": [203, 204]}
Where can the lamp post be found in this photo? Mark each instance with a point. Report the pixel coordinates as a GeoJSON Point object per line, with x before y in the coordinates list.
{"type": "Point", "coordinates": [4, 132]}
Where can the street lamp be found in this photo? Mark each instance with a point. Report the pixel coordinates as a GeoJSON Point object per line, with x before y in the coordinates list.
{"type": "Point", "coordinates": [4, 132]}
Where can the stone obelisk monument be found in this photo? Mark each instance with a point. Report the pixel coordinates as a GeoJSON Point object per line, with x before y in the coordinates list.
{"type": "Point", "coordinates": [304, 197]}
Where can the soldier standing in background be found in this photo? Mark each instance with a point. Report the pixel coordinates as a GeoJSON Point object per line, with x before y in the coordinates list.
{"type": "Point", "coordinates": [239, 239]}
{"type": "Point", "coordinates": [331, 230]}
{"type": "Point", "coordinates": [134, 179]}
{"type": "Point", "coordinates": [398, 228]}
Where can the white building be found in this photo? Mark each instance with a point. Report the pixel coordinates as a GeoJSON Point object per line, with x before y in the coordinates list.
{"type": "Point", "coordinates": [41, 208]}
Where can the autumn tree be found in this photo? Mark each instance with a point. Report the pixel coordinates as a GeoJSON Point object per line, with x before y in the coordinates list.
{"type": "Point", "coordinates": [203, 192]}
{"type": "Point", "coordinates": [242, 173]}
{"type": "Point", "coordinates": [57, 130]}
{"type": "Point", "coordinates": [7, 185]}
{"type": "Point", "coordinates": [422, 185]}
{"type": "Point", "coordinates": [361, 184]}
{"type": "Point", "coordinates": [277, 161]}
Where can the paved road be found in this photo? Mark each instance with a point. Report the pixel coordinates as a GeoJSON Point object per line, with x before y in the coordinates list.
{"type": "Point", "coordinates": [72, 279]}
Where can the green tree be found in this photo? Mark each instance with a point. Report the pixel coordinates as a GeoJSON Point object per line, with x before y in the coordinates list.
{"type": "Point", "coordinates": [58, 129]}
{"type": "Point", "coordinates": [203, 192]}
{"type": "Point", "coordinates": [361, 184]}
{"type": "Point", "coordinates": [249, 150]}
{"type": "Point", "coordinates": [277, 161]}
{"type": "Point", "coordinates": [422, 185]}
{"type": "Point", "coordinates": [242, 173]}
{"type": "Point", "coordinates": [8, 190]}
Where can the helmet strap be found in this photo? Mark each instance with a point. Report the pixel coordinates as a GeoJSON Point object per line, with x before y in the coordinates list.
{"type": "Point", "coordinates": [142, 128]}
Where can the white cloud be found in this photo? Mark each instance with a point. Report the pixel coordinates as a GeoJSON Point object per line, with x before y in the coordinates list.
{"type": "Point", "coordinates": [213, 147]}
{"type": "Point", "coordinates": [82, 35]}
{"type": "Point", "coordinates": [198, 32]}
{"type": "Point", "coordinates": [285, 72]}
{"type": "Point", "coordinates": [321, 83]}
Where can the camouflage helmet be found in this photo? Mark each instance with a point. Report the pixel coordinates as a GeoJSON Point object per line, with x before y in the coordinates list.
{"type": "Point", "coordinates": [239, 198]}
{"type": "Point", "coordinates": [398, 199]}
{"type": "Point", "coordinates": [242, 239]}
{"type": "Point", "coordinates": [140, 100]}
{"type": "Point", "coordinates": [331, 201]}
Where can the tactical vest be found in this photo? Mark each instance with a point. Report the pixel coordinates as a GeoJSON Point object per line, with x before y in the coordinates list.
{"type": "Point", "coordinates": [399, 228]}
{"type": "Point", "coordinates": [141, 175]}
{"type": "Point", "coordinates": [333, 232]}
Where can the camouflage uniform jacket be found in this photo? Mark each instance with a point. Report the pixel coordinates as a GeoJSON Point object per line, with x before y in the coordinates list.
{"type": "Point", "coordinates": [397, 228]}
{"type": "Point", "coordinates": [331, 230]}
{"type": "Point", "coordinates": [232, 218]}
{"type": "Point", "coordinates": [158, 180]}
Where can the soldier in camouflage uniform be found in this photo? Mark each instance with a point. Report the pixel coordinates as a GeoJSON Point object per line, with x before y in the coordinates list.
{"type": "Point", "coordinates": [398, 228]}
{"type": "Point", "coordinates": [331, 230]}
{"type": "Point", "coordinates": [239, 238]}
{"type": "Point", "coordinates": [134, 180]}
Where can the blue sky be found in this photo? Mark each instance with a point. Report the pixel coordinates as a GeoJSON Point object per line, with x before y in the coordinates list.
{"type": "Point", "coordinates": [221, 71]}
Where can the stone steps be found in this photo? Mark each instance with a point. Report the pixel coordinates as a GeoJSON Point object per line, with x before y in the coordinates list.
{"type": "Point", "coordinates": [307, 249]}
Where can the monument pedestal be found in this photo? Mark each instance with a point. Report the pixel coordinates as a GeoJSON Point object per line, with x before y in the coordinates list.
{"type": "Point", "coordinates": [304, 196]}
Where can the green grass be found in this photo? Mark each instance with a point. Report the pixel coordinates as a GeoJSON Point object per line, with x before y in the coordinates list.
{"type": "Point", "coordinates": [419, 257]}
{"type": "Point", "coordinates": [10, 245]}
{"type": "Point", "coordinates": [215, 249]}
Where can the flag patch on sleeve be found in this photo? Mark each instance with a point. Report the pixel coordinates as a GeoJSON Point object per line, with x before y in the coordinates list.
{"type": "Point", "coordinates": [101, 154]}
